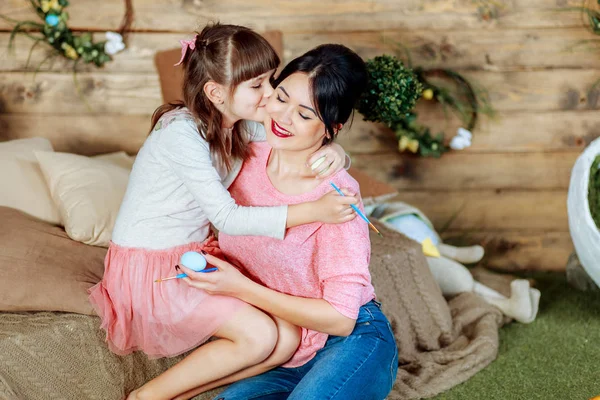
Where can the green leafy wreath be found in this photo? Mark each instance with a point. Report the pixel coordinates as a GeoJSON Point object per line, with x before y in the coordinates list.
{"type": "Point", "coordinates": [394, 90]}
{"type": "Point", "coordinates": [54, 31]}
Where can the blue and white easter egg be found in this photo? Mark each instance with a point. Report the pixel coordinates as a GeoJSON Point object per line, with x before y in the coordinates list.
{"type": "Point", "coordinates": [193, 260]}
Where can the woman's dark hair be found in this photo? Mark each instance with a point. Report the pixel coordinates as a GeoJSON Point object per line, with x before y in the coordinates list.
{"type": "Point", "coordinates": [338, 77]}
{"type": "Point", "coordinates": [228, 55]}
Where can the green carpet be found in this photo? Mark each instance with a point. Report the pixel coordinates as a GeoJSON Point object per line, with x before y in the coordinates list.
{"type": "Point", "coordinates": [555, 357]}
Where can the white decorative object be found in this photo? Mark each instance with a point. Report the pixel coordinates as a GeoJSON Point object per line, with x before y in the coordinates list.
{"type": "Point", "coordinates": [585, 234]}
{"type": "Point", "coordinates": [462, 139]}
{"type": "Point", "coordinates": [114, 43]}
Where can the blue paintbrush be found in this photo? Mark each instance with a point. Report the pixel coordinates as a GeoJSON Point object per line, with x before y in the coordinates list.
{"type": "Point", "coordinates": [360, 213]}
{"type": "Point", "coordinates": [179, 276]}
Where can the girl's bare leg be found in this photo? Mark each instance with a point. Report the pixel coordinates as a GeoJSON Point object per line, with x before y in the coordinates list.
{"type": "Point", "coordinates": [287, 343]}
{"type": "Point", "coordinates": [246, 339]}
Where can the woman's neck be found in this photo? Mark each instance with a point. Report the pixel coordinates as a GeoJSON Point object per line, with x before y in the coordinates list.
{"type": "Point", "coordinates": [289, 173]}
{"type": "Point", "coordinates": [286, 163]}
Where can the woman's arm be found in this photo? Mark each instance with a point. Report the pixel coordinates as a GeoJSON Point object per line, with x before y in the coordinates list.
{"type": "Point", "coordinates": [341, 258]}
{"type": "Point", "coordinates": [314, 314]}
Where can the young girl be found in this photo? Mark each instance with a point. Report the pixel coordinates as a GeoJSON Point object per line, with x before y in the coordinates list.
{"type": "Point", "coordinates": [176, 189]}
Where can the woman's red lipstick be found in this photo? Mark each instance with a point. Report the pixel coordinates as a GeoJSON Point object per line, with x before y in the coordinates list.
{"type": "Point", "coordinates": [278, 130]}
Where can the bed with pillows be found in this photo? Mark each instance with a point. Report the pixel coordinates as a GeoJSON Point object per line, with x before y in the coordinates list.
{"type": "Point", "coordinates": [57, 211]}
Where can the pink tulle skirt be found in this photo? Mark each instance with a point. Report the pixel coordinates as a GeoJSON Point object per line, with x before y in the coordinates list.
{"type": "Point", "coordinates": [161, 319]}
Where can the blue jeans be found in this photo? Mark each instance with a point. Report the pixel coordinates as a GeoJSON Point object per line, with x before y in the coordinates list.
{"type": "Point", "coordinates": [362, 366]}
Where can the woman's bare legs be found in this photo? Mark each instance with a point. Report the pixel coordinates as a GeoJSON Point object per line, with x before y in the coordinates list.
{"type": "Point", "coordinates": [287, 343]}
{"type": "Point", "coordinates": [247, 339]}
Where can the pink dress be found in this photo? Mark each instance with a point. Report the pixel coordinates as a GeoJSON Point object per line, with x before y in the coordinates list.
{"type": "Point", "coordinates": [320, 261]}
{"type": "Point", "coordinates": [162, 319]}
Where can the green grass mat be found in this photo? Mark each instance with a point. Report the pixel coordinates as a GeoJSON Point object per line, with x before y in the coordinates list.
{"type": "Point", "coordinates": [555, 357]}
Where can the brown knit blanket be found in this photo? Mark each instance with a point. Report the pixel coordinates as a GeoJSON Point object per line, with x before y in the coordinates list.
{"type": "Point", "coordinates": [441, 344]}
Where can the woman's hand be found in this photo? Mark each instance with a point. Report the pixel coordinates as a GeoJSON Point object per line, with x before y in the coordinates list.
{"type": "Point", "coordinates": [327, 161]}
{"type": "Point", "coordinates": [226, 281]}
{"type": "Point", "coordinates": [332, 208]}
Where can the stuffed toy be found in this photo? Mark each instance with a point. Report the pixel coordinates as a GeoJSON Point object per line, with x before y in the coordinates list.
{"type": "Point", "coordinates": [446, 262]}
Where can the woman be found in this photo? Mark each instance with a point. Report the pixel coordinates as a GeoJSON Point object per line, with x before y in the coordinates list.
{"type": "Point", "coordinates": [316, 277]}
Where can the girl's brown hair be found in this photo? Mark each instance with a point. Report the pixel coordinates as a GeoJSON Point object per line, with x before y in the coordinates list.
{"type": "Point", "coordinates": [227, 55]}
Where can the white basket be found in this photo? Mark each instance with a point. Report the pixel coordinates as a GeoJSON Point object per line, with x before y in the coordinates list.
{"type": "Point", "coordinates": [585, 234]}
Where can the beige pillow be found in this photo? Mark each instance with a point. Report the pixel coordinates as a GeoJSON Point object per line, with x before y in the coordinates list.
{"type": "Point", "coordinates": [87, 191]}
{"type": "Point", "coordinates": [21, 181]}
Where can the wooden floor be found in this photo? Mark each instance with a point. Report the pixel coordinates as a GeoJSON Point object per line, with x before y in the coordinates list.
{"type": "Point", "coordinates": [508, 191]}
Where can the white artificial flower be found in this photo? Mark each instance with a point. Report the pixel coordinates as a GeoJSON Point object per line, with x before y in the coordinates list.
{"type": "Point", "coordinates": [464, 133]}
{"type": "Point", "coordinates": [462, 140]}
{"type": "Point", "coordinates": [113, 37]}
{"type": "Point", "coordinates": [114, 43]}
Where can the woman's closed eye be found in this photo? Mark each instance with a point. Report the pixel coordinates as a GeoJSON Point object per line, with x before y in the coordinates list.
{"type": "Point", "coordinates": [257, 86]}
{"type": "Point", "coordinates": [278, 97]}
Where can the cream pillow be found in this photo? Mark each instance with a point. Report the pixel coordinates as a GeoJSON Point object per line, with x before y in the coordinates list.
{"type": "Point", "coordinates": [22, 183]}
{"type": "Point", "coordinates": [119, 158]}
{"type": "Point", "coordinates": [87, 191]}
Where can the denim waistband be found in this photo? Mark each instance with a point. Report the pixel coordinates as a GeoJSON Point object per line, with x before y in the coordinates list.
{"type": "Point", "coordinates": [370, 311]}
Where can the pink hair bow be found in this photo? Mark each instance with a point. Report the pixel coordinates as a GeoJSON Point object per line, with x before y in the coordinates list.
{"type": "Point", "coordinates": [185, 45]}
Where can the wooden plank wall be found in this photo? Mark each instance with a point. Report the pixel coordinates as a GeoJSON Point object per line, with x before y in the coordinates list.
{"type": "Point", "coordinates": [508, 190]}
